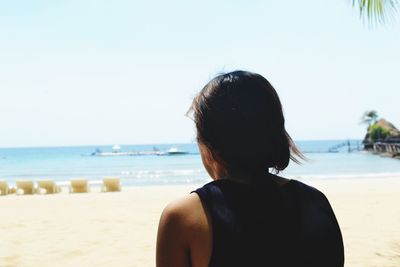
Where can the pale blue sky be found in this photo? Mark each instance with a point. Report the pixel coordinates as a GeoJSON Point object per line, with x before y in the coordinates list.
{"type": "Point", "coordinates": [108, 72]}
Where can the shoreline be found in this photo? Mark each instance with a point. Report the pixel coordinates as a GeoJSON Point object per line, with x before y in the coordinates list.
{"type": "Point", "coordinates": [97, 182]}
{"type": "Point", "coordinates": [119, 229]}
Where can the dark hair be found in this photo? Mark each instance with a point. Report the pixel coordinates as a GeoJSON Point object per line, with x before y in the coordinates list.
{"type": "Point", "coordinates": [239, 118]}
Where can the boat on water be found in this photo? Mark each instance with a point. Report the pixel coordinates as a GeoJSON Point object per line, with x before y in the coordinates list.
{"type": "Point", "coordinates": [116, 148]}
{"type": "Point", "coordinates": [176, 151]}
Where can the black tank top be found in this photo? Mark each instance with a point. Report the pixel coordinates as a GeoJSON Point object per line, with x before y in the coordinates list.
{"type": "Point", "coordinates": [266, 224]}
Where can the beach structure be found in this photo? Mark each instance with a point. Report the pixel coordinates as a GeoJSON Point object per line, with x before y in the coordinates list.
{"type": "Point", "coordinates": [386, 148]}
{"type": "Point", "coordinates": [4, 188]}
{"type": "Point", "coordinates": [116, 151]}
{"type": "Point", "coordinates": [79, 186]}
{"type": "Point", "coordinates": [383, 138]}
{"type": "Point", "coordinates": [25, 188]}
{"type": "Point", "coordinates": [111, 185]}
{"type": "Point", "coordinates": [48, 187]}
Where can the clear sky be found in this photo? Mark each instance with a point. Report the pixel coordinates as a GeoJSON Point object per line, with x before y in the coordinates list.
{"type": "Point", "coordinates": [124, 72]}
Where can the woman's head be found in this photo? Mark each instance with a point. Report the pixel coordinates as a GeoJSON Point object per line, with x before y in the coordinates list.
{"type": "Point", "coordinates": [240, 124]}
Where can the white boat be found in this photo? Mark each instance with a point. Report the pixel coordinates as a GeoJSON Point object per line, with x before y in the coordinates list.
{"type": "Point", "coordinates": [176, 151]}
{"type": "Point", "coordinates": [116, 149]}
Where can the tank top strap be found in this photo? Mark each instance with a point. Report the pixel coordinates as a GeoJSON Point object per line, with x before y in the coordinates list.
{"type": "Point", "coordinates": [223, 221]}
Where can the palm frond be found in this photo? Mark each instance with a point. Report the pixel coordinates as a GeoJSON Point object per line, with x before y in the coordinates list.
{"type": "Point", "coordinates": [376, 11]}
{"type": "Point", "coordinates": [368, 117]}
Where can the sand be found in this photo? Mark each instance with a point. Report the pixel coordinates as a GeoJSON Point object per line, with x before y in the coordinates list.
{"type": "Point", "coordinates": [119, 229]}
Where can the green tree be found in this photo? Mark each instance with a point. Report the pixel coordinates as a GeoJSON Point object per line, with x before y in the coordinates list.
{"type": "Point", "coordinates": [376, 10]}
{"type": "Point", "coordinates": [377, 132]}
{"type": "Point", "coordinates": [369, 117]}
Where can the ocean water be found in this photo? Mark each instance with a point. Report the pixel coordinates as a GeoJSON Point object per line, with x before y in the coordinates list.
{"type": "Point", "coordinates": [64, 163]}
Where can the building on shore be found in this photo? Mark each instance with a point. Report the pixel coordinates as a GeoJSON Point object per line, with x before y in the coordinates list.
{"type": "Point", "coordinates": [383, 138]}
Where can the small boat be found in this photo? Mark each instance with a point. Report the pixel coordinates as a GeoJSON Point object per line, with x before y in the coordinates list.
{"type": "Point", "coordinates": [176, 151]}
{"type": "Point", "coordinates": [116, 149]}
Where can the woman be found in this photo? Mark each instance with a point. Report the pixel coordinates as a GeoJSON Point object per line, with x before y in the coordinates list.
{"type": "Point", "coordinates": [247, 216]}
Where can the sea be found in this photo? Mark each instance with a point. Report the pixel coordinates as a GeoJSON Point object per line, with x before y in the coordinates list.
{"type": "Point", "coordinates": [327, 159]}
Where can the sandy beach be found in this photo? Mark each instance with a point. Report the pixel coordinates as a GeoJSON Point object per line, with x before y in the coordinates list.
{"type": "Point", "coordinates": [119, 229]}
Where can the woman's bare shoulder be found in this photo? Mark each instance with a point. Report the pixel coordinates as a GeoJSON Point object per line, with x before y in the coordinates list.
{"type": "Point", "coordinates": [185, 215]}
{"type": "Point", "coordinates": [183, 208]}
{"type": "Point", "coordinates": [183, 228]}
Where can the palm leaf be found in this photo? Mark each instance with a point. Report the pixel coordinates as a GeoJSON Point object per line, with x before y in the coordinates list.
{"type": "Point", "coordinates": [376, 11]}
